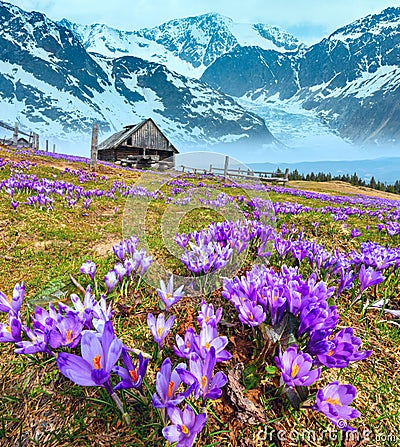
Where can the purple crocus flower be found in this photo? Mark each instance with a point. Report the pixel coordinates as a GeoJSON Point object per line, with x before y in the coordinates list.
{"type": "Point", "coordinates": [38, 342]}
{"type": "Point", "coordinates": [111, 280]}
{"type": "Point", "coordinates": [101, 313]}
{"type": "Point", "coordinates": [88, 268]}
{"type": "Point", "coordinates": [68, 332]}
{"type": "Point", "coordinates": [120, 271]}
{"type": "Point", "coordinates": [167, 383]}
{"type": "Point", "coordinates": [129, 265]}
{"type": "Point", "coordinates": [45, 321]}
{"type": "Point", "coordinates": [296, 367]}
{"type": "Point", "coordinates": [119, 251]}
{"type": "Point", "coordinates": [167, 294]}
{"type": "Point", "coordinates": [343, 349]}
{"type": "Point", "coordinates": [182, 240]}
{"type": "Point", "coordinates": [13, 303]}
{"type": "Point", "coordinates": [319, 342]}
{"type": "Point", "coordinates": [132, 377]}
{"type": "Point", "coordinates": [142, 262]}
{"type": "Point", "coordinates": [159, 328]}
{"type": "Point", "coordinates": [207, 315]}
{"type": "Point", "coordinates": [11, 332]}
{"type": "Point", "coordinates": [14, 204]}
{"type": "Point", "coordinates": [87, 203]}
{"type": "Point", "coordinates": [251, 313]}
{"type": "Point", "coordinates": [200, 376]}
{"type": "Point", "coordinates": [369, 277]}
{"type": "Point", "coordinates": [84, 309]}
{"type": "Point", "coordinates": [184, 347]}
{"type": "Point", "coordinates": [208, 339]}
{"type": "Point", "coordinates": [99, 355]}
{"type": "Point", "coordinates": [355, 232]}
{"type": "Point", "coordinates": [333, 401]}
{"type": "Point", "coordinates": [186, 426]}
{"type": "Point", "coordinates": [316, 315]}
{"type": "Point", "coordinates": [346, 280]}
{"type": "Point", "coordinates": [277, 304]}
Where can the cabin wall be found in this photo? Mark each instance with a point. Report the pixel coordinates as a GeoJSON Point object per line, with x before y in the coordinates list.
{"type": "Point", "coordinates": [106, 155]}
{"type": "Point", "coordinates": [148, 136]}
{"type": "Point", "coordinates": [166, 154]}
{"type": "Point", "coordinates": [123, 151]}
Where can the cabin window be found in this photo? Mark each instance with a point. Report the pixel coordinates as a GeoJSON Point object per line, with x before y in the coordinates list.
{"type": "Point", "coordinates": [129, 141]}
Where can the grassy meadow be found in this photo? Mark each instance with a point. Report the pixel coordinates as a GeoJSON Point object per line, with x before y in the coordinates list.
{"type": "Point", "coordinates": [44, 241]}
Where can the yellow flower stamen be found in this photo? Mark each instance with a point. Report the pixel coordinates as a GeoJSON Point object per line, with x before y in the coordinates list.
{"type": "Point", "coordinates": [133, 373]}
{"type": "Point", "coordinates": [334, 402]}
{"type": "Point", "coordinates": [204, 382]}
{"type": "Point", "coordinates": [170, 389]}
{"type": "Point", "coordinates": [96, 362]}
{"type": "Point", "coordinates": [295, 370]}
{"type": "Point", "coordinates": [69, 336]}
{"type": "Point", "coordinates": [184, 429]}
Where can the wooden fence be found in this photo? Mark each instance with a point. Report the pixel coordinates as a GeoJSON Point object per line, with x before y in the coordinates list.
{"type": "Point", "coordinates": [248, 174]}
{"type": "Point", "coordinates": [32, 141]}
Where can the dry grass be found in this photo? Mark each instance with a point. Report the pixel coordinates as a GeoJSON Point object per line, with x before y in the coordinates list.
{"type": "Point", "coordinates": [338, 188]}
{"type": "Point", "coordinates": [40, 408]}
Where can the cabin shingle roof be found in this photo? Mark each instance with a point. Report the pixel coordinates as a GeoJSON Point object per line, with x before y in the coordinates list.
{"type": "Point", "coordinates": [118, 138]}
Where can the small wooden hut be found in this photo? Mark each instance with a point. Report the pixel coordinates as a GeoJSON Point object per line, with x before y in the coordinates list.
{"type": "Point", "coordinates": [23, 142]}
{"type": "Point", "coordinates": [139, 141]}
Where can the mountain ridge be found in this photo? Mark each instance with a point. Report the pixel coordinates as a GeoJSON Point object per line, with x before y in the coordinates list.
{"type": "Point", "coordinates": [350, 79]}
{"type": "Point", "coordinates": [52, 85]}
{"type": "Point", "coordinates": [188, 45]}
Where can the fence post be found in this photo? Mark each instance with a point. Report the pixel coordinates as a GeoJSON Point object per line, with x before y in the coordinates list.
{"type": "Point", "coordinates": [47, 145]}
{"type": "Point", "coordinates": [286, 174]}
{"type": "Point", "coordinates": [226, 166]}
{"type": "Point", "coordinates": [54, 148]}
{"type": "Point", "coordinates": [37, 142]}
{"type": "Point", "coordinates": [210, 169]}
{"type": "Point", "coordinates": [15, 136]}
{"type": "Point", "coordinates": [95, 140]}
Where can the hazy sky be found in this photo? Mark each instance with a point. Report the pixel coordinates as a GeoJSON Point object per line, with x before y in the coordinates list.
{"type": "Point", "coordinates": [309, 20]}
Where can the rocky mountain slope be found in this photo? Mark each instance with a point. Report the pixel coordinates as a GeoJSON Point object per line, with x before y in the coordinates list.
{"type": "Point", "coordinates": [52, 85]}
{"type": "Point", "coordinates": [187, 45]}
{"type": "Point", "coordinates": [350, 79]}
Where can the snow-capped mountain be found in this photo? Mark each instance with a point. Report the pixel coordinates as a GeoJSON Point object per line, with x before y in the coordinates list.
{"type": "Point", "coordinates": [58, 78]}
{"type": "Point", "coordinates": [52, 85]}
{"type": "Point", "coordinates": [187, 45]}
{"type": "Point", "coordinates": [350, 79]}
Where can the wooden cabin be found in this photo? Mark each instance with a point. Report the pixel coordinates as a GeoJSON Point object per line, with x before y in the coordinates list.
{"type": "Point", "coordinates": [23, 142]}
{"type": "Point", "coordinates": [139, 141]}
